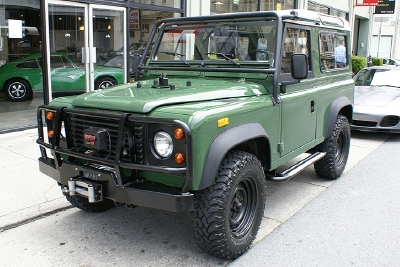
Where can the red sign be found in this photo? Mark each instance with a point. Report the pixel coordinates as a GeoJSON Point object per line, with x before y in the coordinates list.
{"type": "Point", "coordinates": [134, 20]}
{"type": "Point", "coordinates": [367, 2]}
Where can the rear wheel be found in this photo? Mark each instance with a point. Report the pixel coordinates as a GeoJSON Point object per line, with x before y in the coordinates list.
{"type": "Point", "coordinates": [228, 214]}
{"type": "Point", "coordinates": [105, 82]}
{"type": "Point", "coordinates": [83, 203]}
{"type": "Point", "coordinates": [18, 90]}
{"type": "Point", "coordinates": [337, 148]}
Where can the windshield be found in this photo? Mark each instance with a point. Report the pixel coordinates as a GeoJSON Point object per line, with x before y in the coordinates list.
{"type": "Point", "coordinates": [225, 41]}
{"type": "Point", "coordinates": [115, 62]}
{"type": "Point", "coordinates": [367, 77]}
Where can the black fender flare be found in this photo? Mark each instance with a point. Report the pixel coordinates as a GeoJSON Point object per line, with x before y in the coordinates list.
{"type": "Point", "coordinates": [337, 105]}
{"type": "Point", "coordinates": [222, 144]}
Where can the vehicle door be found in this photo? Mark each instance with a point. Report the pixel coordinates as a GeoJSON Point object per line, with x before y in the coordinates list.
{"type": "Point", "coordinates": [65, 75]}
{"type": "Point", "coordinates": [299, 100]}
{"type": "Point", "coordinates": [31, 70]}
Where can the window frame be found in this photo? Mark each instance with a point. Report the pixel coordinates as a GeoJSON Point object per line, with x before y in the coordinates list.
{"type": "Point", "coordinates": [310, 73]}
{"type": "Point", "coordinates": [334, 33]}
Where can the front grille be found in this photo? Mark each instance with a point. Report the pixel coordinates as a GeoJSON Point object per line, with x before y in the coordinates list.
{"type": "Point", "coordinates": [364, 123]}
{"type": "Point", "coordinates": [389, 121]}
{"type": "Point", "coordinates": [132, 151]}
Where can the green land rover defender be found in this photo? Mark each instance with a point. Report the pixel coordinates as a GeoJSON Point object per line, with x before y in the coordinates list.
{"type": "Point", "coordinates": [217, 106]}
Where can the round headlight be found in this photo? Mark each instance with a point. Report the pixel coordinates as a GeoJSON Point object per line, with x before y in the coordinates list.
{"type": "Point", "coordinates": [163, 144]}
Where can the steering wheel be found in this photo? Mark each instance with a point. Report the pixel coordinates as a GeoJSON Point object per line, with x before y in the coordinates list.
{"type": "Point", "coordinates": [269, 55]}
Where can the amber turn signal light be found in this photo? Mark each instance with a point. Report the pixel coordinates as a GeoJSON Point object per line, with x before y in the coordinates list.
{"type": "Point", "coordinates": [179, 158]}
{"type": "Point", "coordinates": [179, 133]}
{"type": "Point", "coordinates": [50, 133]}
{"type": "Point", "coordinates": [50, 115]}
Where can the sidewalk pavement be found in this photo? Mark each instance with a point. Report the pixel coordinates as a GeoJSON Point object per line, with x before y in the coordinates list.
{"type": "Point", "coordinates": [355, 222]}
{"type": "Point", "coordinates": [26, 192]}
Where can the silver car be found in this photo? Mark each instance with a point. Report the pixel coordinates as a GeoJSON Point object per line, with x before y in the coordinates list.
{"type": "Point", "coordinates": [377, 99]}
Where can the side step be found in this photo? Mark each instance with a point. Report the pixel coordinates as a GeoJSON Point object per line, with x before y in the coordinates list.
{"type": "Point", "coordinates": [296, 168]}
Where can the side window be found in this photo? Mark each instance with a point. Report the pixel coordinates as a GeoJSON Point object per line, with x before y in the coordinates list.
{"type": "Point", "coordinates": [67, 64]}
{"type": "Point", "coordinates": [28, 64]}
{"type": "Point", "coordinates": [56, 62]}
{"type": "Point", "coordinates": [295, 40]}
{"type": "Point", "coordinates": [333, 51]}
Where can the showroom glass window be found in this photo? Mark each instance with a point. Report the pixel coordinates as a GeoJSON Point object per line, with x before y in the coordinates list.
{"type": "Point", "coordinates": [20, 29]}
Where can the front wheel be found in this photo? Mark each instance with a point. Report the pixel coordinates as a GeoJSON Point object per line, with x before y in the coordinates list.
{"type": "Point", "coordinates": [337, 148]}
{"type": "Point", "coordinates": [228, 214]}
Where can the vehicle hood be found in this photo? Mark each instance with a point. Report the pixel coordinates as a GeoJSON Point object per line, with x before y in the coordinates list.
{"type": "Point", "coordinates": [130, 98]}
{"type": "Point", "coordinates": [378, 96]}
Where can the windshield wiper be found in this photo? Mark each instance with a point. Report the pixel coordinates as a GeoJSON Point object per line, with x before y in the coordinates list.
{"type": "Point", "coordinates": [224, 56]}
{"type": "Point", "coordinates": [180, 56]}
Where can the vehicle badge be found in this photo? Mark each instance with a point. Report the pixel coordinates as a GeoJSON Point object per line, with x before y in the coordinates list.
{"type": "Point", "coordinates": [90, 139]}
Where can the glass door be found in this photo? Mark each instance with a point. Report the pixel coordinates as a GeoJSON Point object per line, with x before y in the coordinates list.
{"type": "Point", "coordinates": [85, 47]}
{"type": "Point", "coordinates": [107, 41]}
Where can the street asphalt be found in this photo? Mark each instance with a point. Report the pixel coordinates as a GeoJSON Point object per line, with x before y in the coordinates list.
{"type": "Point", "coordinates": [308, 221]}
{"type": "Point", "coordinates": [355, 222]}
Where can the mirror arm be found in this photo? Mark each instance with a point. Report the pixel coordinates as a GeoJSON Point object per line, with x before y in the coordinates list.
{"type": "Point", "coordinates": [284, 84]}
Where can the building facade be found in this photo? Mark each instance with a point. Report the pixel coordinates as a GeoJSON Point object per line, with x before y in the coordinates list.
{"type": "Point", "coordinates": [385, 43]}
{"type": "Point", "coordinates": [91, 31]}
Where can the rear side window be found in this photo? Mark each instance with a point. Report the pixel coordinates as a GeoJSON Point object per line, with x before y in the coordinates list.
{"type": "Point", "coordinates": [333, 51]}
{"type": "Point", "coordinates": [28, 64]}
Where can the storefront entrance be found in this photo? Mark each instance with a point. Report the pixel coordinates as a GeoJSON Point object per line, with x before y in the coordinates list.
{"type": "Point", "coordinates": [86, 44]}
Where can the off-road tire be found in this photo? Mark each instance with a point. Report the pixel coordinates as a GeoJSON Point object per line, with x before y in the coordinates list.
{"type": "Point", "coordinates": [228, 214]}
{"type": "Point", "coordinates": [337, 148]}
{"type": "Point", "coordinates": [83, 203]}
{"type": "Point", "coordinates": [18, 90]}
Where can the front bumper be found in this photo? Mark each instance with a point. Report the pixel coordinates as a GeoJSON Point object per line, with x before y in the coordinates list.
{"type": "Point", "coordinates": [374, 121]}
{"type": "Point", "coordinates": [142, 194]}
{"type": "Point", "coordinates": [69, 161]}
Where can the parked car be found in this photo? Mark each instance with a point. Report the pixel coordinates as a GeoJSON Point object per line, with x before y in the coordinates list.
{"type": "Point", "coordinates": [203, 127]}
{"type": "Point", "coordinates": [377, 99]}
{"type": "Point", "coordinates": [134, 48]}
{"type": "Point", "coordinates": [18, 79]}
{"type": "Point", "coordinates": [391, 61]}
{"type": "Point", "coordinates": [117, 61]}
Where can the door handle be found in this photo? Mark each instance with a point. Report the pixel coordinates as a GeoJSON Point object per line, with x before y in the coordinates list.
{"type": "Point", "coordinates": [312, 106]}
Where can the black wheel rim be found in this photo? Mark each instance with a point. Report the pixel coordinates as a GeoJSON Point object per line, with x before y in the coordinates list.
{"type": "Point", "coordinates": [17, 90]}
{"type": "Point", "coordinates": [243, 207]}
{"type": "Point", "coordinates": [340, 148]}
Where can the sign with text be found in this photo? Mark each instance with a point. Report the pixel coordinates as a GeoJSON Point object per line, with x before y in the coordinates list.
{"type": "Point", "coordinates": [134, 20]}
{"type": "Point", "coordinates": [367, 2]}
{"type": "Point", "coordinates": [385, 7]}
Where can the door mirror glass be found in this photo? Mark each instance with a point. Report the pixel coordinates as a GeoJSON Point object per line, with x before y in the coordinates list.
{"type": "Point", "coordinates": [299, 66]}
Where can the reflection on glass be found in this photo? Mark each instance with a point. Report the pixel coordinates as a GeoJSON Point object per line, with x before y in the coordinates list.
{"type": "Point", "coordinates": [66, 30]}
{"type": "Point", "coordinates": [232, 42]}
{"type": "Point", "coordinates": [229, 6]}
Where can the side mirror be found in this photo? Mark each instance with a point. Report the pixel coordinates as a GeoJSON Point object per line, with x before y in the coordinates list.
{"type": "Point", "coordinates": [299, 64]}
{"type": "Point", "coordinates": [299, 70]}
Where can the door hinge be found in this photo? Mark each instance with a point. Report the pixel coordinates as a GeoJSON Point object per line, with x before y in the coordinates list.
{"type": "Point", "coordinates": [281, 147]}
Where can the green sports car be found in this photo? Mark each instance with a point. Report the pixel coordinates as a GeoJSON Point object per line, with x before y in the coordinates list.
{"type": "Point", "coordinates": [18, 79]}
